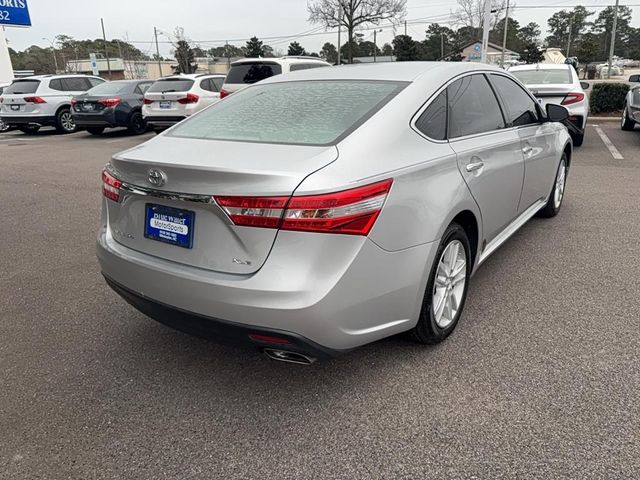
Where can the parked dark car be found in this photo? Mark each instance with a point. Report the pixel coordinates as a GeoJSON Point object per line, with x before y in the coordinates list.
{"type": "Point", "coordinates": [112, 104]}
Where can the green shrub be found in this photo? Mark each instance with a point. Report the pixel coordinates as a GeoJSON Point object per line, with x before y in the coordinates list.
{"type": "Point", "coordinates": [608, 97]}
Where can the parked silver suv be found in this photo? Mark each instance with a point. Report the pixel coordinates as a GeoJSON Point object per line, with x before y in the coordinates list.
{"type": "Point", "coordinates": [43, 101]}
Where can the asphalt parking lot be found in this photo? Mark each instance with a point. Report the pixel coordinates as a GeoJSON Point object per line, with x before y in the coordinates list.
{"type": "Point", "coordinates": [540, 379]}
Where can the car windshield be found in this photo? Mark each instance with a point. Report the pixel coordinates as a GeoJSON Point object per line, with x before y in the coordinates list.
{"type": "Point", "coordinates": [110, 88]}
{"type": "Point", "coordinates": [252, 72]}
{"type": "Point", "coordinates": [22, 86]}
{"type": "Point", "coordinates": [543, 77]}
{"type": "Point", "coordinates": [171, 85]}
{"type": "Point", "coordinates": [296, 113]}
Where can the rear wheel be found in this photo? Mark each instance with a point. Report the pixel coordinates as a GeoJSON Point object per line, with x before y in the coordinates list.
{"type": "Point", "coordinates": [627, 122]}
{"type": "Point", "coordinates": [552, 207]}
{"type": "Point", "coordinates": [137, 124]}
{"type": "Point", "coordinates": [95, 130]}
{"type": "Point", "coordinates": [4, 127]}
{"type": "Point", "coordinates": [29, 129]}
{"type": "Point", "coordinates": [446, 291]}
{"type": "Point", "coordinates": [65, 122]}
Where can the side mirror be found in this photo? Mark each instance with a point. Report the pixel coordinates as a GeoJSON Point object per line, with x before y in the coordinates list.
{"type": "Point", "coordinates": [585, 85]}
{"type": "Point", "coordinates": [634, 79]}
{"type": "Point", "coordinates": [557, 113]}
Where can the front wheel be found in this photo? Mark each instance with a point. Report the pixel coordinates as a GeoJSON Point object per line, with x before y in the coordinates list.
{"type": "Point", "coordinates": [65, 122]}
{"type": "Point", "coordinates": [552, 207]}
{"type": "Point", "coordinates": [446, 291]}
{"type": "Point", "coordinates": [627, 122]}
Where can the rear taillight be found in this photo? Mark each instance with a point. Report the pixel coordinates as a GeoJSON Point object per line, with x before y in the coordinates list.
{"type": "Point", "coordinates": [109, 102]}
{"type": "Point", "coordinates": [110, 186]}
{"type": "Point", "coordinates": [190, 98]}
{"type": "Point", "coordinates": [223, 93]}
{"type": "Point", "coordinates": [571, 98]}
{"type": "Point", "coordinates": [147, 101]}
{"type": "Point", "coordinates": [34, 100]}
{"type": "Point", "coordinates": [351, 212]}
{"type": "Point", "coordinates": [73, 102]}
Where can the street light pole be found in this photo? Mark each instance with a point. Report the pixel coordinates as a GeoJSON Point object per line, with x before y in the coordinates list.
{"type": "Point", "coordinates": [339, 32]}
{"type": "Point", "coordinates": [53, 48]}
{"type": "Point", "coordinates": [106, 50]}
{"type": "Point", "coordinates": [375, 44]}
{"type": "Point", "coordinates": [570, 32]}
{"type": "Point", "coordinates": [155, 34]}
{"type": "Point", "coordinates": [485, 31]}
{"type": "Point", "coordinates": [504, 35]}
{"type": "Point", "coordinates": [613, 38]}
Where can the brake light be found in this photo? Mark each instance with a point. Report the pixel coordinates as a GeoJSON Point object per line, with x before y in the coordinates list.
{"type": "Point", "coordinates": [34, 100]}
{"type": "Point", "coordinates": [109, 102]}
{"type": "Point", "coordinates": [571, 98]}
{"type": "Point", "coordinates": [73, 102]}
{"type": "Point", "coordinates": [110, 186]}
{"type": "Point", "coordinates": [350, 212]}
{"type": "Point", "coordinates": [190, 98]}
{"type": "Point", "coordinates": [147, 101]}
{"type": "Point", "coordinates": [223, 93]}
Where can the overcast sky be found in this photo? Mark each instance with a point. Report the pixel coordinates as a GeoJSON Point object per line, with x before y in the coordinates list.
{"type": "Point", "coordinates": [209, 22]}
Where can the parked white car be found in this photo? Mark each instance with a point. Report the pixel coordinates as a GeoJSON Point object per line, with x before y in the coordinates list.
{"type": "Point", "coordinates": [43, 101]}
{"type": "Point", "coordinates": [561, 85]}
{"type": "Point", "coordinates": [172, 99]}
{"type": "Point", "coordinates": [248, 71]}
{"type": "Point", "coordinates": [631, 111]}
{"type": "Point", "coordinates": [3, 126]}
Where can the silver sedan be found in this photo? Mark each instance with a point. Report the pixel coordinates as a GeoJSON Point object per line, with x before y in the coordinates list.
{"type": "Point", "coordinates": [322, 210]}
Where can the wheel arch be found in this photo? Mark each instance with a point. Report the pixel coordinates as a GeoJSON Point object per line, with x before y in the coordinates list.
{"type": "Point", "coordinates": [468, 221]}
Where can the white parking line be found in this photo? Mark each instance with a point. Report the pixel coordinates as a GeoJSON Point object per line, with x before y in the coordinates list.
{"type": "Point", "coordinates": [609, 144]}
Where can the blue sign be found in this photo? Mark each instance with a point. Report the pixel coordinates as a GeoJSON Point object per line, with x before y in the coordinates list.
{"type": "Point", "coordinates": [15, 13]}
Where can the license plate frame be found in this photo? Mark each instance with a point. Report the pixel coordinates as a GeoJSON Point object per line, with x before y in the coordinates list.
{"type": "Point", "coordinates": [15, 108]}
{"type": "Point", "coordinates": [165, 104]}
{"type": "Point", "coordinates": [165, 224]}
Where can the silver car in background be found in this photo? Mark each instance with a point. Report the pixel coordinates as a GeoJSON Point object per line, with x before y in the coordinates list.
{"type": "Point", "coordinates": [631, 110]}
{"type": "Point", "coordinates": [558, 84]}
{"type": "Point", "coordinates": [322, 210]}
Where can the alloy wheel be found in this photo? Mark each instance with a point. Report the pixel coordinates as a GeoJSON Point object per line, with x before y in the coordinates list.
{"type": "Point", "coordinates": [558, 192]}
{"type": "Point", "coordinates": [449, 284]}
{"type": "Point", "coordinates": [66, 120]}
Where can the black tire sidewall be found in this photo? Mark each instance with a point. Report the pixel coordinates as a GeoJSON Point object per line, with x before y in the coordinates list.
{"type": "Point", "coordinates": [132, 126]}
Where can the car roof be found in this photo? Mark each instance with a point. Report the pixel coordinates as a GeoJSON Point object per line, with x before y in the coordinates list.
{"type": "Point", "coordinates": [285, 59]}
{"type": "Point", "coordinates": [541, 66]}
{"type": "Point", "coordinates": [388, 71]}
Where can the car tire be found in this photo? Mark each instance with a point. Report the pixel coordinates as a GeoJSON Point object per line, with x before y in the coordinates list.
{"type": "Point", "coordinates": [578, 140]}
{"type": "Point", "coordinates": [137, 124]}
{"type": "Point", "coordinates": [29, 130]}
{"type": "Point", "coordinates": [4, 127]}
{"type": "Point", "coordinates": [95, 130]}
{"type": "Point", "coordinates": [554, 203]}
{"type": "Point", "coordinates": [627, 123]}
{"type": "Point", "coordinates": [65, 122]}
{"type": "Point", "coordinates": [447, 287]}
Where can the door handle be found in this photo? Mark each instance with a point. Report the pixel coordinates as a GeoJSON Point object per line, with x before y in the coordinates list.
{"type": "Point", "coordinates": [473, 166]}
{"type": "Point", "coordinates": [527, 149]}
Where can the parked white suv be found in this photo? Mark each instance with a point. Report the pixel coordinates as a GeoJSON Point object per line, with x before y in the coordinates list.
{"type": "Point", "coordinates": [3, 126]}
{"type": "Point", "coordinates": [172, 99]}
{"type": "Point", "coordinates": [251, 70]}
{"type": "Point", "coordinates": [43, 101]}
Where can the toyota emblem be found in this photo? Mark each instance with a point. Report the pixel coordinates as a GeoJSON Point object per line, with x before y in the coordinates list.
{"type": "Point", "coordinates": [157, 178]}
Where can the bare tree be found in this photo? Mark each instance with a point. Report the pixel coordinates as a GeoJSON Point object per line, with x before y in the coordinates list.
{"type": "Point", "coordinates": [470, 13]}
{"type": "Point", "coordinates": [352, 14]}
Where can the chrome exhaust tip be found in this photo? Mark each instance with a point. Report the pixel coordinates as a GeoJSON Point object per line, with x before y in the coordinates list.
{"type": "Point", "coordinates": [289, 357]}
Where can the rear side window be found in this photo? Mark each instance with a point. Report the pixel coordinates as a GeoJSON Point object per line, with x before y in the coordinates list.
{"type": "Point", "coordinates": [217, 82]}
{"type": "Point", "coordinates": [473, 107]}
{"type": "Point", "coordinates": [521, 108]}
{"type": "Point", "coordinates": [22, 86]}
{"type": "Point", "coordinates": [433, 121]}
{"type": "Point", "coordinates": [95, 81]}
{"type": "Point", "coordinates": [76, 84]}
{"type": "Point", "coordinates": [171, 85]}
{"type": "Point", "coordinates": [295, 113]}
{"type": "Point", "coordinates": [56, 85]}
{"type": "Point", "coordinates": [142, 87]}
{"type": "Point", "coordinates": [252, 72]}
{"type": "Point", "coordinates": [209, 85]}
{"type": "Point", "coordinates": [544, 77]}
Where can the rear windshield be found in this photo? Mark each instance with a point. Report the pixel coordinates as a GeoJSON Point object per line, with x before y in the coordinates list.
{"type": "Point", "coordinates": [252, 72]}
{"type": "Point", "coordinates": [22, 86]}
{"type": "Point", "coordinates": [171, 85]}
{"type": "Point", "coordinates": [543, 77]}
{"type": "Point", "coordinates": [296, 113]}
{"type": "Point", "coordinates": [111, 88]}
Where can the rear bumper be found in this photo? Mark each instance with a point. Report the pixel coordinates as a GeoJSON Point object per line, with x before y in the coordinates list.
{"type": "Point", "coordinates": [337, 292]}
{"type": "Point", "coordinates": [27, 120]}
{"type": "Point", "coordinates": [107, 119]}
{"type": "Point", "coordinates": [163, 121]}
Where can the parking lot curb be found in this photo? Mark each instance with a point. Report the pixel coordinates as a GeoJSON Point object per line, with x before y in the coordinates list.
{"type": "Point", "coordinates": [603, 119]}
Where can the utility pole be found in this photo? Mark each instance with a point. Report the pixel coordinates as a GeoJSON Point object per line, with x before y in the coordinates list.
{"type": "Point", "coordinates": [485, 31]}
{"type": "Point", "coordinates": [53, 49]}
{"type": "Point", "coordinates": [613, 38]}
{"type": "Point", "coordinates": [441, 45]}
{"type": "Point", "coordinates": [106, 50]}
{"type": "Point", "coordinates": [228, 54]}
{"type": "Point", "coordinates": [405, 28]}
{"type": "Point", "coordinates": [375, 44]}
{"type": "Point", "coordinates": [155, 34]}
{"type": "Point", "coordinates": [339, 32]}
{"type": "Point", "coordinates": [504, 35]}
{"type": "Point", "coordinates": [570, 32]}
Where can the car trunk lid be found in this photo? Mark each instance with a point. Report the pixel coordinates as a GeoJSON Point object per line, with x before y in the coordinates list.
{"type": "Point", "coordinates": [550, 93]}
{"type": "Point", "coordinates": [193, 171]}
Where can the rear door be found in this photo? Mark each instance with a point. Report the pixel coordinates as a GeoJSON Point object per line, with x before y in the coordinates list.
{"type": "Point", "coordinates": [489, 154]}
{"type": "Point", "coordinates": [13, 98]}
{"type": "Point", "coordinates": [536, 139]}
{"type": "Point", "coordinates": [166, 96]}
